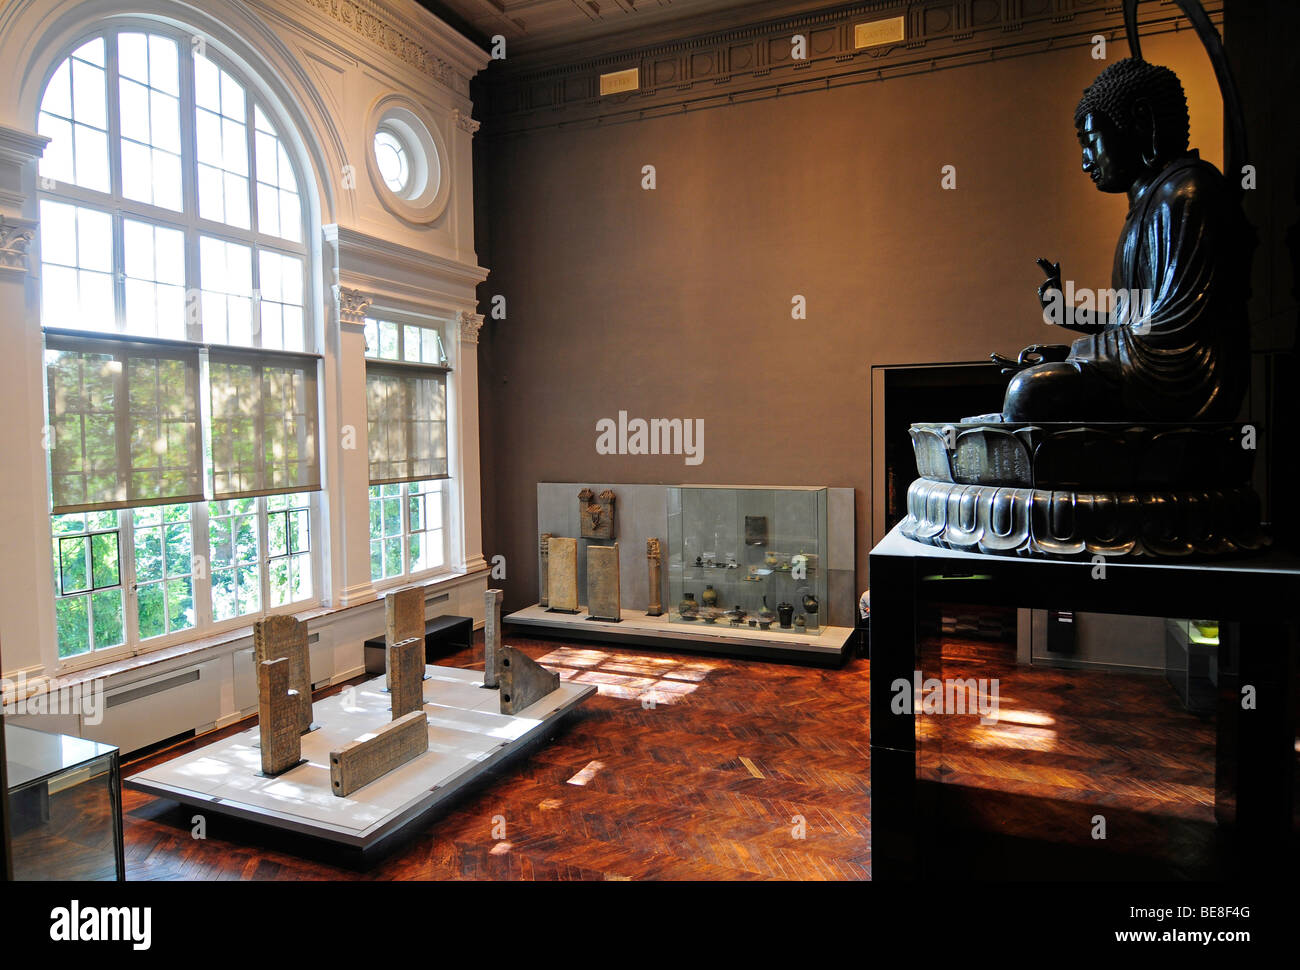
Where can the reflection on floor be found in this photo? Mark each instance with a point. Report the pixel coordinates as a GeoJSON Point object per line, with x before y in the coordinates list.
{"type": "Point", "coordinates": [709, 768]}
{"type": "Point", "coordinates": [1101, 763]}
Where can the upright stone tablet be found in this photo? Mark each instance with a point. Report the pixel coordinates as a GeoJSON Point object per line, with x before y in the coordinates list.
{"type": "Point", "coordinates": [654, 568]}
{"type": "Point", "coordinates": [405, 663]}
{"type": "Point", "coordinates": [403, 620]}
{"type": "Point", "coordinates": [603, 583]}
{"type": "Point", "coordinates": [283, 636]}
{"type": "Point", "coordinates": [544, 573]}
{"type": "Point", "coordinates": [278, 711]}
{"type": "Point", "coordinates": [491, 636]}
{"type": "Point", "coordinates": [563, 575]}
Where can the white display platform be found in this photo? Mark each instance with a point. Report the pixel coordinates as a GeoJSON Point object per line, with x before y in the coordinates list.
{"type": "Point", "coordinates": [467, 736]}
{"type": "Point", "coordinates": [637, 629]}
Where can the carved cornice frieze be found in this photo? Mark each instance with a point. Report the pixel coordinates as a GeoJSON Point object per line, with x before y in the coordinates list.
{"type": "Point", "coordinates": [352, 305]}
{"type": "Point", "coordinates": [470, 325]}
{"type": "Point", "coordinates": [755, 60]}
{"type": "Point", "coordinates": [16, 238]}
{"type": "Point", "coordinates": [369, 21]}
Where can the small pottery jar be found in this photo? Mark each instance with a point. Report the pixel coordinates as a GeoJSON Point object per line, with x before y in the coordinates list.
{"type": "Point", "coordinates": [786, 612]}
{"type": "Point", "coordinates": [766, 614]}
{"type": "Point", "coordinates": [799, 622]}
{"type": "Point", "coordinates": [810, 603]}
{"type": "Point", "coordinates": [771, 559]}
{"type": "Point", "coordinates": [688, 608]}
{"type": "Point", "coordinates": [709, 597]}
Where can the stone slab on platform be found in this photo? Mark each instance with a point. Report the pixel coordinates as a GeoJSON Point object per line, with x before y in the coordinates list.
{"type": "Point", "coordinates": [467, 736]}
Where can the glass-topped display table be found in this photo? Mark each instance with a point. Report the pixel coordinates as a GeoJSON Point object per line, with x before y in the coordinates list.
{"type": "Point", "coordinates": [65, 806]}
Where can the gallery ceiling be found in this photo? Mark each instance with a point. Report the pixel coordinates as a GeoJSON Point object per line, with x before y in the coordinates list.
{"type": "Point", "coordinates": [530, 26]}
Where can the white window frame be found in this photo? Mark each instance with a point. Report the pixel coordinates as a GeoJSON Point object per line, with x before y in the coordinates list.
{"type": "Point", "coordinates": [118, 207]}
{"type": "Point", "coordinates": [200, 546]}
{"type": "Point", "coordinates": [450, 524]}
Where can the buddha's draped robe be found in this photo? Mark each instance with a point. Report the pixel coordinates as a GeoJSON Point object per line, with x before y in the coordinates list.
{"type": "Point", "coordinates": [1184, 355]}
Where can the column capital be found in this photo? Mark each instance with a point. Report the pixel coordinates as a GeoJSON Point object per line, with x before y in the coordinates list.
{"type": "Point", "coordinates": [464, 122]}
{"type": "Point", "coordinates": [470, 325]}
{"type": "Point", "coordinates": [352, 305]}
{"type": "Point", "coordinates": [16, 238]}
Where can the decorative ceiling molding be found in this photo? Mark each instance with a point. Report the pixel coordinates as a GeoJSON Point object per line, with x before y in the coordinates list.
{"type": "Point", "coordinates": [399, 38]}
{"type": "Point", "coordinates": [754, 61]}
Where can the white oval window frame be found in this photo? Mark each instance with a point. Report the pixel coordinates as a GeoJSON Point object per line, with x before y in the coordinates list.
{"type": "Point", "coordinates": [425, 199]}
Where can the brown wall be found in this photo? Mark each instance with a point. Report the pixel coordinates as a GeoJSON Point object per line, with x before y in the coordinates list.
{"type": "Point", "coordinates": [676, 302]}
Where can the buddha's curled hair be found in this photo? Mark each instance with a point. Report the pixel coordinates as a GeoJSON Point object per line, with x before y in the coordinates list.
{"type": "Point", "coordinates": [1119, 88]}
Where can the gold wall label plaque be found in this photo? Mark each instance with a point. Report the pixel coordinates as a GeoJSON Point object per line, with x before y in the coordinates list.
{"type": "Point", "coordinates": [619, 82]}
{"type": "Point", "coordinates": [875, 32]}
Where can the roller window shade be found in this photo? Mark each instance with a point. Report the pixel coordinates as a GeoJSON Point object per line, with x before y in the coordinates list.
{"type": "Point", "coordinates": [125, 427]}
{"type": "Point", "coordinates": [406, 411]}
{"type": "Point", "coordinates": [264, 423]}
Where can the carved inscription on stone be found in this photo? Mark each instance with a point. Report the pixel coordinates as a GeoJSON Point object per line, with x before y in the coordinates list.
{"type": "Point", "coordinates": [278, 711]}
{"type": "Point", "coordinates": [491, 636]}
{"type": "Point", "coordinates": [283, 636]}
{"type": "Point", "coordinates": [654, 562]}
{"type": "Point", "coordinates": [543, 574]}
{"type": "Point", "coordinates": [405, 662]}
{"type": "Point", "coordinates": [563, 574]}
{"type": "Point", "coordinates": [603, 582]}
{"type": "Point", "coordinates": [360, 762]}
{"type": "Point", "coordinates": [403, 620]}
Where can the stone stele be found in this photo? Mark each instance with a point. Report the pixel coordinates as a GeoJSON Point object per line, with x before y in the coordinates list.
{"type": "Point", "coordinates": [403, 620]}
{"type": "Point", "coordinates": [523, 681]}
{"type": "Point", "coordinates": [602, 583]}
{"type": "Point", "coordinates": [360, 762]}
{"type": "Point", "coordinates": [283, 636]}
{"type": "Point", "coordinates": [278, 710]}
{"type": "Point", "coordinates": [654, 568]}
{"type": "Point", "coordinates": [491, 636]}
{"type": "Point", "coordinates": [563, 575]}
{"type": "Point", "coordinates": [544, 572]}
{"type": "Point", "coordinates": [405, 663]}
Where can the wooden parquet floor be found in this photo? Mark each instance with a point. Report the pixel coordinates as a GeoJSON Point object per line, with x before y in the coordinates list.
{"type": "Point", "coordinates": [737, 771]}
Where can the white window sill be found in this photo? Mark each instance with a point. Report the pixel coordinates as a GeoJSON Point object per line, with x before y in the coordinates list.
{"type": "Point", "coordinates": [212, 645]}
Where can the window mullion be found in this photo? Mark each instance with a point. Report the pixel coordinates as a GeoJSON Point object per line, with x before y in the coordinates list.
{"type": "Point", "coordinates": [126, 565]}
{"type": "Point", "coordinates": [190, 192]}
{"type": "Point", "coordinates": [405, 491]}
{"type": "Point", "coordinates": [201, 587]}
{"type": "Point", "coordinates": [264, 552]}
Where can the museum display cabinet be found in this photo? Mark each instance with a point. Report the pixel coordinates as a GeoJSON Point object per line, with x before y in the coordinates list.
{"type": "Point", "coordinates": [748, 558]}
{"type": "Point", "coordinates": [65, 806]}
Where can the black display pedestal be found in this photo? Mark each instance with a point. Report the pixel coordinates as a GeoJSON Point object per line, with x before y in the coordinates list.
{"type": "Point", "coordinates": [1256, 600]}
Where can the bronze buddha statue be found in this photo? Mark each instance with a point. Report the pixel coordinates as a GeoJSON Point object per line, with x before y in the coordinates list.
{"type": "Point", "coordinates": [1179, 351]}
{"type": "Point", "coordinates": [1122, 443]}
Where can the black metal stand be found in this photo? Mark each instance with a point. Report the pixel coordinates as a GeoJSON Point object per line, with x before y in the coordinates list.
{"type": "Point", "coordinates": [1256, 601]}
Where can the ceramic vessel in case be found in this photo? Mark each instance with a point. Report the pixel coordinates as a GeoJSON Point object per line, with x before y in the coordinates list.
{"type": "Point", "coordinates": [687, 609]}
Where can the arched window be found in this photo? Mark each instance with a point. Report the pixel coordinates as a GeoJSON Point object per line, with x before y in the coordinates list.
{"type": "Point", "coordinates": [183, 466]}
{"type": "Point", "coordinates": [170, 206]}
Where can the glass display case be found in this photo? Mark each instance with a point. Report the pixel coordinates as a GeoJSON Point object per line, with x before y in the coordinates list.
{"type": "Point", "coordinates": [747, 558]}
{"type": "Point", "coordinates": [65, 806]}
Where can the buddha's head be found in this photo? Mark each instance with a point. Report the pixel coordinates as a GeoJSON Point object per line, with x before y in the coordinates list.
{"type": "Point", "coordinates": [1131, 120]}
